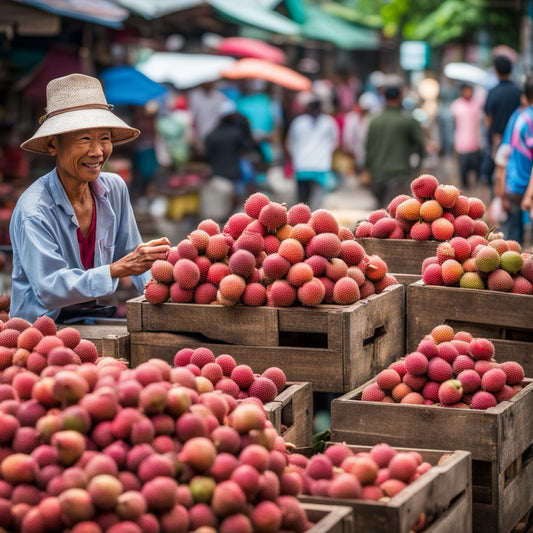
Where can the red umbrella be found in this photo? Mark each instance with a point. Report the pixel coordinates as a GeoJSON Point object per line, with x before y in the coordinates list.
{"type": "Point", "coordinates": [247, 47]}
{"type": "Point", "coordinates": [266, 70]}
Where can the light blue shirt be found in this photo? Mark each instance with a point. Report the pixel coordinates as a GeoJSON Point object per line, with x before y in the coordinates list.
{"type": "Point", "coordinates": [47, 270]}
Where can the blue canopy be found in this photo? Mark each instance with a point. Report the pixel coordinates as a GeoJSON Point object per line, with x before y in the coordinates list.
{"type": "Point", "coordinates": [127, 86]}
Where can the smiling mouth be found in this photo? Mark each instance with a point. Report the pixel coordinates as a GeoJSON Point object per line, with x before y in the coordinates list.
{"type": "Point", "coordinates": [92, 165]}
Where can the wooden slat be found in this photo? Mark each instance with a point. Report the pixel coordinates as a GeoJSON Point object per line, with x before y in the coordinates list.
{"type": "Point", "coordinates": [110, 340]}
{"type": "Point", "coordinates": [354, 341]}
{"type": "Point", "coordinates": [369, 331]}
{"type": "Point", "coordinates": [329, 518]}
{"type": "Point", "coordinates": [429, 306]}
{"type": "Point", "coordinates": [234, 325]}
{"type": "Point", "coordinates": [447, 487]}
{"type": "Point", "coordinates": [293, 407]}
{"type": "Point", "coordinates": [498, 438]}
{"type": "Point", "coordinates": [401, 255]}
{"type": "Point", "coordinates": [323, 368]}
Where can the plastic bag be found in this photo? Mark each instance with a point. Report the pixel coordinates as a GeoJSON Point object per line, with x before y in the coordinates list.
{"type": "Point", "coordinates": [496, 212]}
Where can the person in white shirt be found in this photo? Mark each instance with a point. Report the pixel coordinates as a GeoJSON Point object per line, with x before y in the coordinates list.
{"type": "Point", "coordinates": [356, 127]}
{"type": "Point", "coordinates": [311, 141]}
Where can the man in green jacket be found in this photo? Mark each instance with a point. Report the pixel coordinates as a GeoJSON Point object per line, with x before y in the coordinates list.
{"type": "Point", "coordinates": [393, 137]}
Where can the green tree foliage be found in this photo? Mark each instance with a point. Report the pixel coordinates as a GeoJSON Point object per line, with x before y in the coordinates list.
{"type": "Point", "coordinates": [434, 21]}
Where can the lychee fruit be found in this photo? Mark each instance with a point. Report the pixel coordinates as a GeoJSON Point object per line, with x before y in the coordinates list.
{"type": "Point", "coordinates": [312, 292]}
{"type": "Point", "coordinates": [281, 293]}
{"type": "Point", "coordinates": [416, 363]}
{"type": "Point", "coordinates": [493, 380]}
{"type": "Point", "coordinates": [388, 378]}
{"type": "Point", "coordinates": [483, 400]}
{"type": "Point", "coordinates": [372, 393]}
{"type": "Point", "coordinates": [232, 287]}
{"type": "Point", "coordinates": [264, 389]}
{"type": "Point", "coordinates": [277, 375]}
{"type": "Point", "coordinates": [275, 266]}
{"type": "Point", "coordinates": [481, 348]}
{"type": "Point", "coordinates": [439, 370]}
{"type": "Point", "coordinates": [450, 391]}
{"type": "Point", "coordinates": [254, 203]}
{"type": "Point", "coordinates": [273, 215]}
{"type": "Point", "coordinates": [442, 229]}
{"type": "Point", "coordinates": [346, 291]}
{"type": "Point", "coordinates": [424, 186]}
{"type": "Point", "coordinates": [254, 295]}
{"type": "Point", "coordinates": [513, 371]}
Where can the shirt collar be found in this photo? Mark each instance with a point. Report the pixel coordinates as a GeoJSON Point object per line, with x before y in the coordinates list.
{"type": "Point", "coordinates": [98, 188]}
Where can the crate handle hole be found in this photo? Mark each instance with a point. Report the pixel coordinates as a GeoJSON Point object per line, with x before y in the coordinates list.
{"type": "Point", "coordinates": [287, 418]}
{"type": "Point", "coordinates": [378, 332]}
{"type": "Point", "coordinates": [307, 339]}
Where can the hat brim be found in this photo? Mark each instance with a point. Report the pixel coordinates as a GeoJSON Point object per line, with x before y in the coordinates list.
{"type": "Point", "coordinates": [80, 120]}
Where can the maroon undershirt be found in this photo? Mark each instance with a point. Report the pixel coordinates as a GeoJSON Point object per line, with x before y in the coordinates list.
{"type": "Point", "coordinates": [87, 244]}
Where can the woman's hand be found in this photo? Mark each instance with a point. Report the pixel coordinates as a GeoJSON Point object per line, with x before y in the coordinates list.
{"type": "Point", "coordinates": [140, 259]}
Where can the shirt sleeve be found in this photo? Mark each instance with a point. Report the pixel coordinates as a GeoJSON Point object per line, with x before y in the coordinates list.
{"type": "Point", "coordinates": [128, 236]}
{"type": "Point", "coordinates": [55, 283]}
{"type": "Point", "coordinates": [418, 138]}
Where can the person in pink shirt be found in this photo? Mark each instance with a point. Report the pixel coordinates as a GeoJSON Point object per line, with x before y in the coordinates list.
{"type": "Point", "coordinates": [467, 111]}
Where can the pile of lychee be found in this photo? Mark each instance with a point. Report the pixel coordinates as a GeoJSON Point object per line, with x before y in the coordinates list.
{"type": "Point", "coordinates": [222, 373]}
{"type": "Point", "coordinates": [268, 255]}
{"type": "Point", "coordinates": [434, 212]}
{"type": "Point", "coordinates": [377, 474]}
{"type": "Point", "coordinates": [38, 345]}
{"type": "Point", "coordinates": [99, 447]}
{"type": "Point", "coordinates": [478, 263]}
{"type": "Point", "coordinates": [448, 369]}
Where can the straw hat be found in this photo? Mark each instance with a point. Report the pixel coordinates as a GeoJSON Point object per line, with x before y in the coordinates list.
{"type": "Point", "coordinates": [77, 102]}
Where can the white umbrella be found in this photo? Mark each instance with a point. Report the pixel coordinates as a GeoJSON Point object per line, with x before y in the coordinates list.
{"type": "Point", "coordinates": [466, 72]}
{"type": "Point", "coordinates": [184, 71]}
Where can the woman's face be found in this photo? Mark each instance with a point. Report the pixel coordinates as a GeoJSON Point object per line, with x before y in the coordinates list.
{"type": "Point", "coordinates": [80, 155]}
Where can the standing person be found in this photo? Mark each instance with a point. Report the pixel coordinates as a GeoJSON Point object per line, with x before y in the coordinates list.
{"type": "Point", "coordinates": [356, 128]}
{"type": "Point", "coordinates": [311, 141]}
{"type": "Point", "coordinates": [224, 148]}
{"type": "Point", "coordinates": [204, 103]}
{"type": "Point", "coordinates": [518, 189]}
{"type": "Point", "coordinates": [467, 111]}
{"type": "Point", "coordinates": [73, 230]}
{"type": "Point", "coordinates": [501, 101]}
{"type": "Point", "coordinates": [393, 136]}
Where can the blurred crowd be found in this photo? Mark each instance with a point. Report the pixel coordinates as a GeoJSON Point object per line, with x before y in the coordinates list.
{"type": "Point", "coordinates": [225, 140]}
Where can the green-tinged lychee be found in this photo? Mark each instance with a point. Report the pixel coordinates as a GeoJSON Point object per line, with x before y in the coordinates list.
{"type": "Point", "coordinates": [487, 259]}
{"type": "Point", "coordinates": [471, 280]}
{"type": "Point", "coordinates": [511, 261]}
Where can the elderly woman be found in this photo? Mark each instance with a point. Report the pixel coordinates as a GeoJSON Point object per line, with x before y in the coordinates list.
{"type": "Point", "coordinates": [73, 230]}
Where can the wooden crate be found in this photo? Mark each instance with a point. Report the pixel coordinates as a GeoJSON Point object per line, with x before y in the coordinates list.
{"type": "Point", "coordinates": [506, 319]}
{"type": "Point", "coordinates": [500, 440]}
{"type": "Point", "coordinates": [334, 347]}
{"type": "Point", "coordinates": [329, 518]}
{"type": "Point", "coordinates": [110, 340]}
{"type": "Point", "coordinates": [404, 257]}
{"type": "Point", "coordinates": [293, 409]}
{"type": "Point", "coordinates": [443, 494]}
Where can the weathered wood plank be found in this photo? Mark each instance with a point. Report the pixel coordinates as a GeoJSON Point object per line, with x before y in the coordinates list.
{"type": "Point", "coordinates": [500, 440]}
{"type": "Point", "coordinates": [110, 340]}
{"type": "Point", "coordinates": [506, 319]}
{"type": "Point", "coordinates": [333, 347]}
{"type": "Point", "coordinates": [403, 256]}
{"type": "Point", "coordinates": [293, 408]}
{"type": "Point", "coordinates": [443, 494]}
